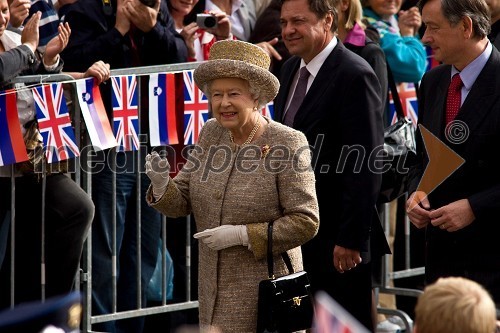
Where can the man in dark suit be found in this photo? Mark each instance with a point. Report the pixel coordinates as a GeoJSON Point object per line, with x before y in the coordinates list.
{"type": "Point", "coordinates": [341, 115]}
{"type": "Point", "coordinates": [461, 214]}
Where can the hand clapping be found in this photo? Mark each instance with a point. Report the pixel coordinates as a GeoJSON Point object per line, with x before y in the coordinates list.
{"type": "Point", "coordinates": [57, 44]}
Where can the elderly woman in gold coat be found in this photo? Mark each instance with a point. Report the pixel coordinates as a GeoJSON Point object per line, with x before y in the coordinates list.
{"type": "Point", "coordinates": [245, 171]}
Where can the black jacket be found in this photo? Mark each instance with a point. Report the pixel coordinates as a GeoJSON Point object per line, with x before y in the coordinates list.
{"type": "Point", "coordinates": [93, 37]}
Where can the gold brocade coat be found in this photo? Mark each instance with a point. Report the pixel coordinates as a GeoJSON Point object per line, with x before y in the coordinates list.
{"type": "Point", "coordinates": [222, 183]}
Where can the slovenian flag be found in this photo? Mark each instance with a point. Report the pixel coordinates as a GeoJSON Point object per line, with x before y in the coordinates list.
{"type": "Point", "coordinates": [162, 119]}
{"type": "Point", "coordinates": [94, 114]}
{"type": "Point", "coordinates": [12, 147]}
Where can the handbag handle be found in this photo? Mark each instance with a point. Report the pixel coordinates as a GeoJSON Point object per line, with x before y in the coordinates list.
{"type": "Point", "coordinates": [270, 261]}
{"type": "Point", "coordinates": [395, 94]}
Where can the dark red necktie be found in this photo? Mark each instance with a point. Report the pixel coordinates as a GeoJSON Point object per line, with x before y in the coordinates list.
{"type": "Point", "coordinates": [134, 50]}
{"type": "Point", "coordinates": [298, 97]}
{"type": "Point", "coordinates": [454, 98]}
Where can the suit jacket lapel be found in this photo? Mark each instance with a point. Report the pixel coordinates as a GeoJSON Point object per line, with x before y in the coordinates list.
{"type": "Point", "coordinates": [288, 73]}
{"type": "Point", "coordinates": [479, 100]}
{"type": "Point", "coordinates": [438, 106]}
{"type": "Point", "coordinates": [320, 83]}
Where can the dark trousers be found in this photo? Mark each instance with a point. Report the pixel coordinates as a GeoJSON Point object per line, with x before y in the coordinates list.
{"type": "Point", "coordinates": [352, 289]}
{"type": "Point", "coordinates": [68, 214]}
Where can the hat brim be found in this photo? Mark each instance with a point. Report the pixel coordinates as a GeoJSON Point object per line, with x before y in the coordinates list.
{"type": "Point", "coordinates": [225, 68]}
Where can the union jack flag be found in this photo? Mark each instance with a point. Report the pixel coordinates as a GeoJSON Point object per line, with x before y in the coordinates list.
{"type": "Point", "coordinates": [408, 97]}
{"type": "Point", "coordinates": [125, 112]}
{"type": "Point", "coordinates": [54, 123]}
{"type": "Point", "coordinates": [195, 109]}
{"type": "Point", "coordinates": [268, 110]}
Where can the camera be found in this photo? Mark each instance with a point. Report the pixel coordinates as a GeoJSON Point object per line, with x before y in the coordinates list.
{"type": "Point", "coordinates": [149, 3]}
{"type": "Point", "coordinates": [206, 21]}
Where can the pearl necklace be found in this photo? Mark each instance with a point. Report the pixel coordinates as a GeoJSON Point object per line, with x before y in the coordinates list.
{"type": "Point", "coordinates": [252, 133]}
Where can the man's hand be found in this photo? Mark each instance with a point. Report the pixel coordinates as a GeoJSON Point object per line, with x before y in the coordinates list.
{"type": "Point", "coordinates": [345, 259]}
{"type": "Point", "coordinates": [30, 35]}
{"type": "Point", "coordinates": [57, 44]}
{"type": "Point", "coordinates": [269, 48]}
{"type": "Point", "coordinates": [142, 16]}
{"type": "Point", "coordinates": [225, 236]}
{"type": "Point", "coordinates": [157, 169]}
{"type": "Point", "coordinates": [19, 11]}
{"type": "Point", "coordinates": [99, 70]}
{"type": "Point", "coordinates": [418, 209]}
{"type": "Point", "coordinates": [122, 22]}
{"type": "Point", "coordinates": [454, 216]}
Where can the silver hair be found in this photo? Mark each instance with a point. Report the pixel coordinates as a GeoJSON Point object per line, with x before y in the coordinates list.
{"type": "Point", "coordinates": [254, 90]}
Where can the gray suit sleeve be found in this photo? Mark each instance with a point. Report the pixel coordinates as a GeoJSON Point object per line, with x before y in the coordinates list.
{"type": "Point", "coordinates": [15, 61]}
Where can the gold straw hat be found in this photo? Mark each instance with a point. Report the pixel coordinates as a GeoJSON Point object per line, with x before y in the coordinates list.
{"type": "Point", "coordinates": [234, 58]}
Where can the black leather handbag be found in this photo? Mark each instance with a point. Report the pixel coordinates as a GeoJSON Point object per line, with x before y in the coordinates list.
{"type": "Point", "coordinates": [285, 303]}
{"type": "Point", "coordinates": [399, 149]}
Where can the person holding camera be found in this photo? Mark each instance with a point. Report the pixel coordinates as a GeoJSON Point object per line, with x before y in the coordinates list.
{"type": "Point", "coordinates": [125, 33]}
{"type": "Point", "coordinates": [202, 33]}
{"type": "Point", "coordinates": [241, 14]}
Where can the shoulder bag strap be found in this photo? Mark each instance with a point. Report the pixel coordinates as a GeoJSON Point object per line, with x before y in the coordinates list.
{"type": "Point", "coordinates": [395, 93]}
{"type": "Point", "coordinates": [270, 261]}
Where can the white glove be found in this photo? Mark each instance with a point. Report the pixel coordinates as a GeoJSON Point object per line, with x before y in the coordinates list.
{"type": "Point", "coordinates": [224, 236]}
{"type": "Point", "coordinates": [157, 169]}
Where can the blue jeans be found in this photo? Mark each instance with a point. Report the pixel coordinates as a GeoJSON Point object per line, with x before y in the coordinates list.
{"type": "Point", "coordinates": [126, 243]}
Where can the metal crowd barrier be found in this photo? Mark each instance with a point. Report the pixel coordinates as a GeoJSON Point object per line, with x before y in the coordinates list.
{"type": "Point", "coordinates": [408, 271]}
{"type": "Point", "coordinates": [84, 278]}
